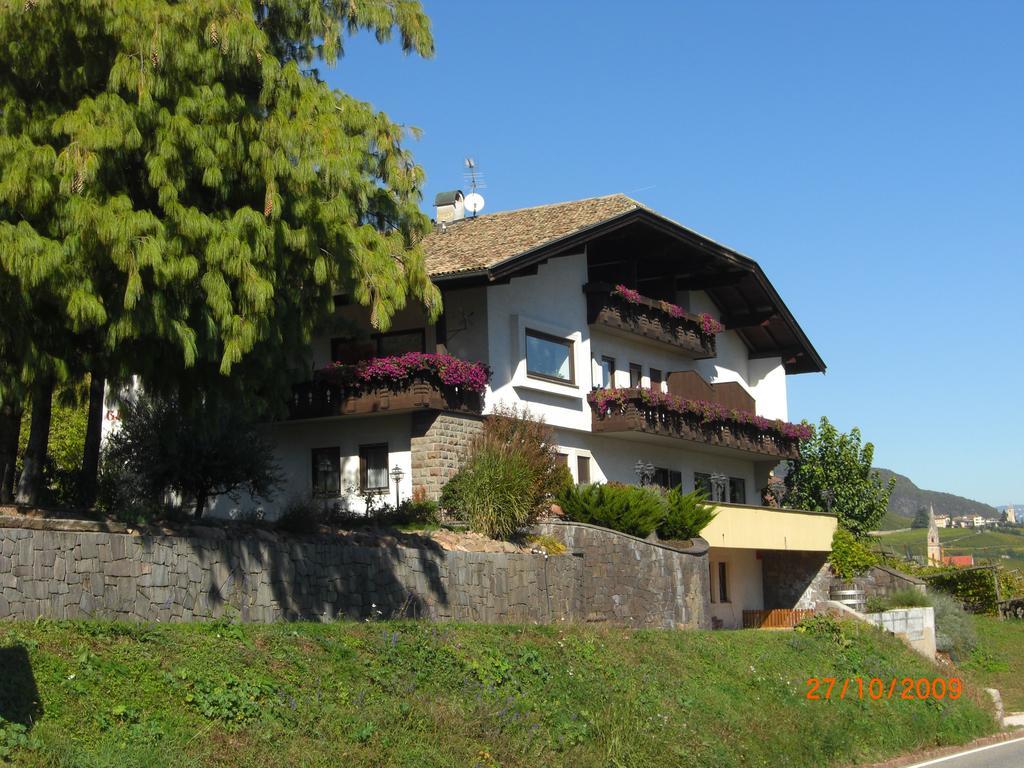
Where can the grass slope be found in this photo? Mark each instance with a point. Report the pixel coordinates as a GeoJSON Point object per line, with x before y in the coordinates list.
{"type": "Point", "coordinates": [984, 544]}
{"type": "Point", "coordinates": [419, 694]}
{"type": "Point", "coordinates": [998, 661]}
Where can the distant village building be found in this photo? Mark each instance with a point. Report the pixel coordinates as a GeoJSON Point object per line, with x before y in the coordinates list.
{"type": "Point", "coordinates": [944, 522]}
{"type": "Point", "coordinates": [934, 545]}
{"type": "Point", "coordinates": [1012, 516]}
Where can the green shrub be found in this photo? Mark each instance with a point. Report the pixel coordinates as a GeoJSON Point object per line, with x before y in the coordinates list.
{"type": "Point", "coordinates": [626, 508]}
{"type": "Point", "coordinates": [850, 556]}
{"type": "Point", "coordinates": [510, 476]}
{"type": "Point", "coordinates": [686, 514]}
{"type": "Point", "coordinates": [954, 629]}
{"type": "Point", "coordinates": [496, 491]}
{"type": "Point", "coordinates": [974, 588]}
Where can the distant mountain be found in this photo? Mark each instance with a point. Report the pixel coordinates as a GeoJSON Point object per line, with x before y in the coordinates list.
{"type": "Point", "coordinates": [906, 498]}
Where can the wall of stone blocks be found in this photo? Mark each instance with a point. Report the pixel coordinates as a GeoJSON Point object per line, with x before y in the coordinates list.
{"type": "Point", "coordinates": [440, 442]}
{"type": "Point", "coordinates": [882, 581]}
{"type": "Point", "coordinates": [261, 577]}
{"type": "Point", "coordinates": [632, 582]}
{"type": "Point", "coordinates": [795, 579]}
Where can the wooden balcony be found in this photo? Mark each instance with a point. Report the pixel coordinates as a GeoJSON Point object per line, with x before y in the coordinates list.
{"type": "Point", "coordinates": [637, 414]}
{"type": "Point", "coordinates": [318, 399]}
{"type": "Point", "coordinates": [649, 320]}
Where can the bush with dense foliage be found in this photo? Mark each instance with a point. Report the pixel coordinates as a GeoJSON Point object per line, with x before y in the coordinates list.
{"type": "Point", "coordinates": [850, 556]}
{"type": "Point", "coordinates": [974, 588]}
{"type": "Point", "coordinates": [497, 491]}
{"type": "Point", "coordinates": [626, 508]}
{"type": "Point", "coordinates": [686, 514]}
{"type": "Point", "coordinates": [307, 515]}
{"type": "Point", "coordinates": [510, 476]}
{"type": "Point", "coordinates": [196, 451]}
{"type": "Point", "coordinates": [954, 629]}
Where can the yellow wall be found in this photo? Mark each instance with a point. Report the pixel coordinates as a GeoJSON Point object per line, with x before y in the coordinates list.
{"type": "Point", "coordinates": [742, 527]}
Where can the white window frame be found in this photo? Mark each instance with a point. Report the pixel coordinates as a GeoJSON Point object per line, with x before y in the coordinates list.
{"type": "Point", "coordinates": [520, 378]}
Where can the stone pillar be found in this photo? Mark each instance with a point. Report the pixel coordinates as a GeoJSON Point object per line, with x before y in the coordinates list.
{"type": "Point", "coordinates": [440, 443]}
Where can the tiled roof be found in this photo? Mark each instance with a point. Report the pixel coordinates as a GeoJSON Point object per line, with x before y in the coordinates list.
{"type": "Point", "coordinates": [477, 243]}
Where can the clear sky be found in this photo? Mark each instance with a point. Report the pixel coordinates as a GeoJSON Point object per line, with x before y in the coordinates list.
{"type": "Point", "coordinates": [870, 155]}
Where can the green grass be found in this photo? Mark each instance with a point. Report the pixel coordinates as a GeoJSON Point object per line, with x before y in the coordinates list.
{"type": "Point", "coordinates": [421, 694]}
{"type": "Point", "coordinates": [998, 661]}
{"type": "Point", "coordinates": [984, 544]}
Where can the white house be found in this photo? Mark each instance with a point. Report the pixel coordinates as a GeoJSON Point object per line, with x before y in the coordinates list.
{"type": "Point", "coordinates": [677, 377]}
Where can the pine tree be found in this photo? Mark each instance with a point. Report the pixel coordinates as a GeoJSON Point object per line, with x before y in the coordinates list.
{"type": "Point", "coordinates": [181, 194]}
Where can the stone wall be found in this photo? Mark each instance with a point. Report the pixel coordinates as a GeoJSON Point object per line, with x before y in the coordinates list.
{"type": "Point", "coordinates": [262, 577]}
{"type": "Point", "coordinates": [439, 445]}
{"type": "Point", "coordinates": [882, 581]}
{"type": "Point", "coordinates": [795, 579]}
{"type": "Point", "coordinates": [633, 582]}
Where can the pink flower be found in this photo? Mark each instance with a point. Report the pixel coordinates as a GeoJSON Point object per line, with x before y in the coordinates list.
{"type": "Point", "coordinates": [707, 413]}
{"type": "Point", "coordinates": [403, 370]}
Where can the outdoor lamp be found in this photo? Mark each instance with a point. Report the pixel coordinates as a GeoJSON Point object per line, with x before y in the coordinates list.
{"type": "Point", "coordinates": [397, 474]}
{"type": "Point", "coordinates": [644, 470]}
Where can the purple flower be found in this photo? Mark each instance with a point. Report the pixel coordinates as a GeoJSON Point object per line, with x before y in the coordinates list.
{"type": "Point", "coordinates": [403, 370]}
{"type": "Point", "coordinates": [706, 412]}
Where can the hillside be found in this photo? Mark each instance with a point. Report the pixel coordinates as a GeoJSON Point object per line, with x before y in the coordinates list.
{"type": "Point", "coordinates": [1004, 546]}
{"type": "Point", "coordinates": [907, 498]}
{"type": "Point", "coordinates": [404, 694]}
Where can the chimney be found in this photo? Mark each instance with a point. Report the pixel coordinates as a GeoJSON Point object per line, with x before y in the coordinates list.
{"type": "Point", "coordinates": [450, 206]}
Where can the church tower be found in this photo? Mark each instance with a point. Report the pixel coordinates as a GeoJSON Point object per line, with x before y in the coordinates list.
{"type": "Point", "coordinates": [934, 545]}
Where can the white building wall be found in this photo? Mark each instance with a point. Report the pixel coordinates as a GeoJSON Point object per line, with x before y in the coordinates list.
{"type": "Point", "coordinates": [294, 442]}
{"type": "Point", "coordinates": [626, 351]}
{"type": "Point", "coordinates": [465, 312]}
{"type": "Point", "coordinates": [745, 583]}
{"type": "Point", "coordinates": [614, 459]}
{"type": "Point", "coordinates": [552, 301]}
{"type": "Point", "coordinates": [767, 383]}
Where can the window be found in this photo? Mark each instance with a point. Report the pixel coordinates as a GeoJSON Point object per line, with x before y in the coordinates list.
{"type": "Point", "coordinates": [723, 584]}
{"type": "Point", "coordinates": [326, 463]}
{"type": "Point", "coordinates": [373, 467]}
{"type": "Point", "coordinates": [667, 478]}
{"type": "Point", "coordinates": [583, 469]}
{"type": "Point", "coordinates": [562, 459]}
{"type": "Point", "coordinates": [655, 380]}
{"type": "Point", "coordinates": [348, 350]}
{"type": "Point", "coordinates": [737, 490]}
{"type": "Point", "coordinates": [607, 372]}
{"type": "Point", "coordinates": [711, 581]}
{"type": "Point", "coordinates": [400, 342]}
{"type": "Point", "coordinates": [636, 373]}
{"type": "Point", "coordinates": [549, 357]}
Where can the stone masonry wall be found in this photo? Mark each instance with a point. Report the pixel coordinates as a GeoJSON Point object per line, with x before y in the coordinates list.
{"type": "Point", "coordinates": [633, 582]}
{"type": "Point", "coordinates": [262, 577]}
{"type": "Point", "coordinates": [882, 581]}
{"type": "Point", "coordinates": [795, 579]}
{"type": "Point", "coordinates": [439, 445]}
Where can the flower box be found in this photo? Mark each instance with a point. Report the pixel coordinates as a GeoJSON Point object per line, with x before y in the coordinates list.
{"type": "Point", "coordinates": [392, 384]}
{"type": "Point", "coordinates": [622, 309]}
{"type": "Point", "coordinates": [641, 410]}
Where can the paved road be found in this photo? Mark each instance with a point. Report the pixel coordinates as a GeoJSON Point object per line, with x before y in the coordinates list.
{"type": "Point", "coordinates": [1008, 754]}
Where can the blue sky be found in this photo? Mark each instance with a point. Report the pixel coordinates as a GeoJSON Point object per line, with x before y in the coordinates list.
{"type": "Point", "coordinates": [869, 155]}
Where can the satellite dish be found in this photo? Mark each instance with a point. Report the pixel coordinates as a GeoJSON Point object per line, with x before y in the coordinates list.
{"type": "Point", "coordinates": [474, 202]}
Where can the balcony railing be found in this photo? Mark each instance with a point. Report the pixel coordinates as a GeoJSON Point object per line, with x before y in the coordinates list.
{"type": "Point", "coordinates": [710, 423]}
{"type": "Point", "coordinates": [651, 319]}
{"type": "Point", "coordinates": [391, 385]}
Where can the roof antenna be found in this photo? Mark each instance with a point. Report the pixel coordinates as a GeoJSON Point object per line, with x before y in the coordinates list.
{"type": "Point", "coordinates": [474, 200]}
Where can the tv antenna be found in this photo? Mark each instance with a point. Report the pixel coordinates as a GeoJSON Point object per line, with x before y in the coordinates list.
{"type": "Point", "coordinates": [474, 201]}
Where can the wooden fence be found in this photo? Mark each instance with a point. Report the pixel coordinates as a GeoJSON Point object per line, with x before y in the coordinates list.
{"type": "Point", "coordinates": [776, 618]}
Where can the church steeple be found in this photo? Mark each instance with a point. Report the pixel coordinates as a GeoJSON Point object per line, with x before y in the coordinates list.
{"type": "Point", "coordinates": [934, 545]}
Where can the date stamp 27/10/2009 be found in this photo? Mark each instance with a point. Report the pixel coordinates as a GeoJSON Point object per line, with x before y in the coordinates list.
{"type": "Point", "coordinates": [876, 689]}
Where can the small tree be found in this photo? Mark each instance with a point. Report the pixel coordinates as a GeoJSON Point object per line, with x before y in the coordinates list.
{"type": "Point", "coordinates": [920, 518]}
{"type": "Point", "coordinates": [198, 451]}
{"type": "Point", "coordinates": [834, 474]}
